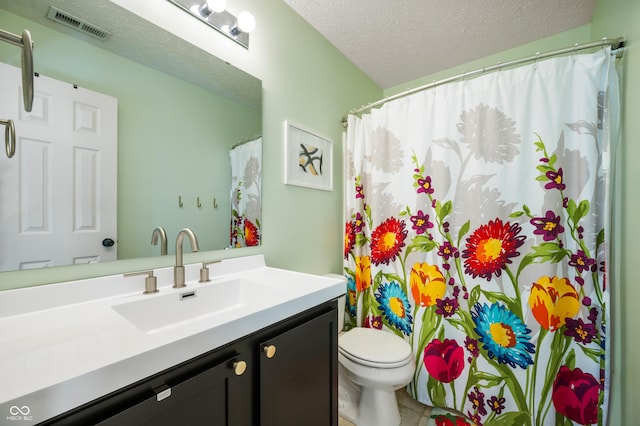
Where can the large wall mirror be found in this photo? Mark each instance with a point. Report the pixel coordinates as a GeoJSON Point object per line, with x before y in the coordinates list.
{"type": "Point", "coordinates": [180, 112]}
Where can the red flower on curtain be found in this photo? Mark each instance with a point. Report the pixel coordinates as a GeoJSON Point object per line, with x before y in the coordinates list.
{"type": "Point", "coordinates": [575, 395]}
{"type": "Point", "coordinates": [387, 241]}
{"type": "Point", "coordinates": [491, 247]}
{"type": "Point", "coordinates": [349, 238]}
{"type": "Point", "coordinates": [444, 360]}
{"type": "Point", "coordinates": [450, 420]}
{"type": "Point", "coordinates": [251, 235]}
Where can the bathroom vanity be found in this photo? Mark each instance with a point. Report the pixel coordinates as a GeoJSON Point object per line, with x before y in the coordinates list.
{"type": "Point", "coordinates": [269, 357]}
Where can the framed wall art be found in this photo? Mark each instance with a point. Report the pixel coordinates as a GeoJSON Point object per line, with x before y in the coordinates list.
{"type": "Point", "coordinates": [308, 158]}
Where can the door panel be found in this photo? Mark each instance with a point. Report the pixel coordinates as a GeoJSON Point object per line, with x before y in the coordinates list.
{"type": "Point", "coordinates": [298, 384]}
{"type": "Point", "coordinates": [58, 196]}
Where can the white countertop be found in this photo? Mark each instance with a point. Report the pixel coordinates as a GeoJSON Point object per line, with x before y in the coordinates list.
{"type": "Point", "coordinates": [62, 345]}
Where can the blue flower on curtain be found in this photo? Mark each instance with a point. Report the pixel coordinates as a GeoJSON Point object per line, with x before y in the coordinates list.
{"type": "Point", "coordinates": [394, 305]}
{"type": "Point", "coordinates": [503, 335]}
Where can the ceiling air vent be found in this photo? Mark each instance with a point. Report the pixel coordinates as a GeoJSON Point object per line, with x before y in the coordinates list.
{"type": "Point", "coordinates": [71, 21]}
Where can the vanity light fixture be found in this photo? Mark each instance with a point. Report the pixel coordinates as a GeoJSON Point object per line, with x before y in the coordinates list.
{"type": "Point", "coordinates": [213, 13]}
{"type": "Point", "coordinates": [208, 7]}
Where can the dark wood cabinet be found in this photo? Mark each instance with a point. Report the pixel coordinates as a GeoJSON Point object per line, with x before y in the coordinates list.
{"type": "Point", "coordinates": [284, 374]}
{"type": "Point", "coordinates": [213, 396]}
{"type": "Point", "coordinates": [298, 382]}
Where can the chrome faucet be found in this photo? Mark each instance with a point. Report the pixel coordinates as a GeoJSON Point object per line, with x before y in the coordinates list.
{"type": "Point", "coordinates": [178, 270]}
{"type": "Point", "coordinates": [162, 234]}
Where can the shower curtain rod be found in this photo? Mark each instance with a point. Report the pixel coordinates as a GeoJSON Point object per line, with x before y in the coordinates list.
{"type": "Point", "coordinates": [615, 44]}
{"type": "Point", "coordinates": [242, 142]}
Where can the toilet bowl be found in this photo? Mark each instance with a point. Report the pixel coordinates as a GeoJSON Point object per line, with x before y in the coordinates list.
{"type": "Point", "coordinates": [373, 364]}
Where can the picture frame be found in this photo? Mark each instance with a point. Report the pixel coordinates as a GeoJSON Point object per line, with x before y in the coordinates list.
{"type": "Point", "coordinates": [308, 158]}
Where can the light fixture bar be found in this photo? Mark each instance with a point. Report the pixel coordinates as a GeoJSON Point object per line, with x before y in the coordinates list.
{"type": "Point", "coordinates": [223, 22]}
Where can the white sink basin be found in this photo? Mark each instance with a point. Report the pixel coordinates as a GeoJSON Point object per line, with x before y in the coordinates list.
{"type": "Point", "coordinates": [222, 299]}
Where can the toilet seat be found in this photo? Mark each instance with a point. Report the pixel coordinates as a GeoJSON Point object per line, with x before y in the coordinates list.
{"type": "Point", "coordinates": [374, 348]}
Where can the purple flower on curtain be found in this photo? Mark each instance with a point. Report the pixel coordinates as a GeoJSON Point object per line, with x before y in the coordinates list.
{"type": "Point", "coordinates": [491, 247]}
{"type": "Point", "coordinates": [444, 360]}
{"type": "Point", "coordinates": [373, 321]}
{"type": "Point", "coordinates": [476, 397]}
{"type": "Point", "coordinates": [387, 241]}
{"type": "Point", "coordinates": [555, 180]}
{"type": "Point", "coordinates": [424, 185]}
{"type": "Point", "coordinates": [580, 331]}
{"type": "Point", "coordinates": [575, 395]}
{"type": "Point", "coordinates": [548, 226]}
{"type": "Point", "coordinates": [496, 404]}
{"type": "Point", "coordinates": [421, 222]}
{"type": "Point", "coordinates": [581, 261]}
{"type": "Point", "coordinates": [504, 336]}
{"type": "Point", "coordinates": [472, 346]}
{"type": "Point", "coordinates": [447, 307]}
{"type": "Point", "coordinates": [446, 250]}
{"type": "Point", "coordinates": [358, 222]}
{"type": "Point", "coordinates": [394, 306]}
{"type": "Point", "coordinates": [475, 418]}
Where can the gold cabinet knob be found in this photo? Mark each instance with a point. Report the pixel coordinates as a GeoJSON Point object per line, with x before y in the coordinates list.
{"type": "Point", "coordinates": [269, 350]}
{"type": "Point", "coordinates": [239, 367]}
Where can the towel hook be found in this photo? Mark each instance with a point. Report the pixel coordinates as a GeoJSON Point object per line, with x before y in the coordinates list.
{"type": "Point", "coordinates": [9, 137]}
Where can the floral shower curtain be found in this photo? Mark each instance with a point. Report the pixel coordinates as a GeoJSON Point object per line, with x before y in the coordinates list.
{"type": "Point", "coordinates": [246, 189]}
{"type": "Point", "coordinates": [477, 228]}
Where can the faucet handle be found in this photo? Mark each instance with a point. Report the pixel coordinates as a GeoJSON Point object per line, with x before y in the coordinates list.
{"type": "Point", "coordinates": [204, 271]}
{"type": "Point", "coordinates": [150, 283]}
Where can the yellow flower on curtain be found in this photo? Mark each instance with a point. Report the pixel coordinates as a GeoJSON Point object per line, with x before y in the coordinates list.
{"type": "Point", "coordinates": [427, 284]}
{"type": "Point", "coordinates": [552, 300]}
{"type": "Point", "coordinates": [363, 273]}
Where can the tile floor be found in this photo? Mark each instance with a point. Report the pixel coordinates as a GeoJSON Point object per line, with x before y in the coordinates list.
{"type": "Point", "coordinates": [412, 412]}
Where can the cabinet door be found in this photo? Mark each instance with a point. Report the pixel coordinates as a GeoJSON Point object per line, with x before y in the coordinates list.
{"type": "Point", "coordinates": [298, 383]}
{"type": "Point", "coordinates": [212, 397]}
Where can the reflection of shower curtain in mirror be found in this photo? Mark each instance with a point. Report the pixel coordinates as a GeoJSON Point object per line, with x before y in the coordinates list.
{"type": "Point", "coordinates": [246, 200]}
{"type": "Point", "coordinates": [478, 229]}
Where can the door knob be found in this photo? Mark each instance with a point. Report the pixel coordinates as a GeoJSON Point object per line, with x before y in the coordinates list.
{"type": "Point", "coordinates": [269, 350]}
{"type": "Point", "coordinates": [239, 367]}
{"type": "Point", "coordinates": [108, 242]}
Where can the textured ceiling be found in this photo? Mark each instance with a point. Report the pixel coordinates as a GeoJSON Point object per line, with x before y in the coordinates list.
{"type": "Point", "coordinates": [141, 41]}
{"type": "Point", "coordinates": [397, 41]}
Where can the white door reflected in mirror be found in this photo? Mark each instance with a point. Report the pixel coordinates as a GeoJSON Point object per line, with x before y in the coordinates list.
{"type": "Point", "coordinates": [63, 178]}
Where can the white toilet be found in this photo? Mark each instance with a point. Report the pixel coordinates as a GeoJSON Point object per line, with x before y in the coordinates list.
{"type": "Point", "coordinates": [373, 364]}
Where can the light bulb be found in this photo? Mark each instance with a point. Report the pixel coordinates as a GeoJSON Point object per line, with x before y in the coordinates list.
{"type": "Point", "coordinates": [246, 22]}
{"type": "Point", "coordinates": [217, 5]}
{"type": "Point", "coordinates": [210, 6]}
